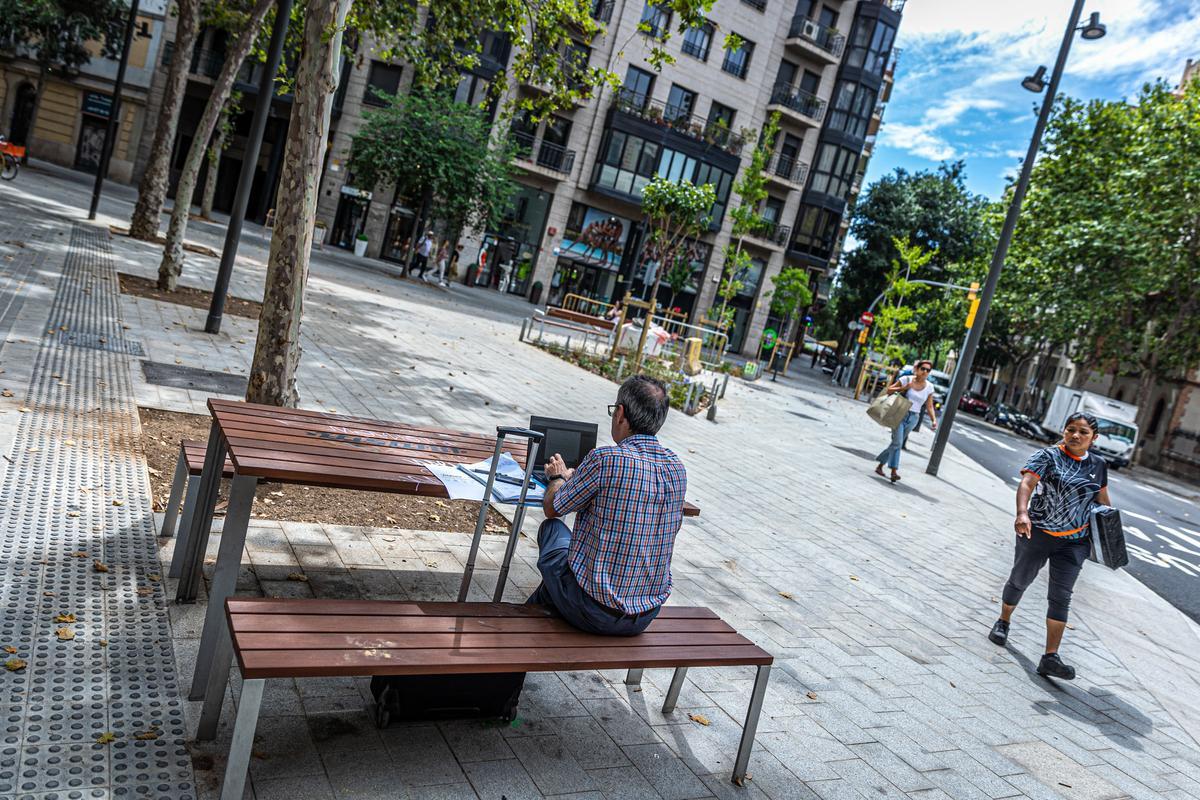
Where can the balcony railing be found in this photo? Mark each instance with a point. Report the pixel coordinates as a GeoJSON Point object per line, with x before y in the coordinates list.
{"type": "Point", "coordinates": [208, 63]}
{"type": "Point", "coordinates": [828, 39]}
{"type": "Point", "coordinates": [602, 10]}
{"type": "Point", "coordinates": [788, 167]}
{"type": "Point", "coordinates": [696, 49]}
{"type": "Point", "coordinates": [736, 63]}
{"type": "Point", "coordinates": [761, 5]}
{"type": "Point", "coordinates": [798, 100]}
{"type": "Point", "coordinates": [770, 231]}
{"type": "Point", "coordinates": [549, 155]}
{"type": "Point", "coordinates": [680, 120]}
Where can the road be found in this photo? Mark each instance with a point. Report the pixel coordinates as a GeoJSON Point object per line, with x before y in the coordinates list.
{"type": "Point", "coordinates": [1162, 529]}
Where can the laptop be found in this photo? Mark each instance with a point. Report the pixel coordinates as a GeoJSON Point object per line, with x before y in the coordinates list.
{"type": "Point", "coordinates": [570, 439]}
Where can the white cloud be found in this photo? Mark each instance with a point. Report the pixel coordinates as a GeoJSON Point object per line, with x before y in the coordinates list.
{"type": "Point", "coordinates": [916, 139]}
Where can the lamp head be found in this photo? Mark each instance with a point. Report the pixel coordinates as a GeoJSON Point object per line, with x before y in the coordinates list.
{"type": "Point", "coordinates": [1094, 29]}
{"type": "Point", "coordinates": [1036, 82]}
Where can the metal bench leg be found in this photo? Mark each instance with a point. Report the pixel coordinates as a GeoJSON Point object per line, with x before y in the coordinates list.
{"type": "Point", "coordinates": [179, 556]}
{"type": "Point", "coordinates": [673, 692]}
{"type": "Point", "coordinates": [633, 677]}
{"type": "Point", "coordinates": [214, 694]}
{"type": "Point", "coordinates": [751, 726]}
{"type": "Point", "coordinates": [229, 561]}
{"type": "Point", "coordinates": [201, 519]}
{"type": "Point", "coordinates": [243, 740]}
{"type": "Point", "coordinates": [171, 513]}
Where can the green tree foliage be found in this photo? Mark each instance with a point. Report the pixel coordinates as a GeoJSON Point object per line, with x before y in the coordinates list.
{"type": "Point", "coordinates": [1107, 253]}
{"type": "Point", "coordinates": [895, 323]}
{"type": "Point", "coordinates": [675, 213]}
{"type": "Point", "coordinates": [930, 208]}
{"type": "Point", "coordinates": [791, 294]}
{"type": "Point", "coordinates": [439, 151]}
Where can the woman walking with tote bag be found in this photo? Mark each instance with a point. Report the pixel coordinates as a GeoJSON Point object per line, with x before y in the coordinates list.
{"type": "Point", "coordinates": [919, 391]}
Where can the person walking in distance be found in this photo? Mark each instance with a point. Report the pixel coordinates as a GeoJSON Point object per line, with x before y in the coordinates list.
{"type": "Point", "coordinates": [1059, 487]}
{"type": "Point", "coordinates": [919, 391]}
{"type": "Point", "coordinates": [421, 259]}
{"type": "Point", "coordinates": [443, 256]}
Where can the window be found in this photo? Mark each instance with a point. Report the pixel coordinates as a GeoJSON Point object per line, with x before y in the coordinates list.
{"type": "Point", "coordinates": [675, 166]}
{"type": "Point", "coordinates": [810, 82]}
{"type": "Point", "coordinates": [655, 20]}
{"type": "Point", "coordinates": [816, 229]}
{"type": "Point", "coordinates": [681, 103]}
{"type": "Point", "coordinates": [827, 17]}
{"type": "Point", "coordinates": [554, 142]}
{"type": "Point", "coordinates": [786, 76]}
{"type": "Point", "coordinates": [833, 171]}
{"type": "Point", "coordinates": [852, 107]}
{"type": "Point", "coordinates": [721, 114]}
{"type": "Point", "coordinates": [751, 277]}
{"type": "Point", "coordinates": [721, 181]}
{"type": "Point", "coordinates": [638, 85]}
{"type": "Point", "coordinates": [870, 45]}
{"type": "Point", "coordinates": [575, 64]}
{"type": "Point", "coordinates": [698, 41]}
{"type": "Point", "coordinates": [382, 78]}
{"type": "Point", "coordinates": [629, 164]}
{"type": "Point", "coordinates": [523, 132]}
{"type": "Point", "coordinates": [737, 62]}
{"type": "Point", "coordinates": [772, 210]}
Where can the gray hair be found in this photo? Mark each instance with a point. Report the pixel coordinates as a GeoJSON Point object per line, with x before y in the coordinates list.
{"type": "Point", "coordinates": [645, 402]}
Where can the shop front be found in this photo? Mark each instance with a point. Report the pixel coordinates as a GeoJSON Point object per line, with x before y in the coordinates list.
{"type": "Point", "coordinates": [93, 123]}
{"type": "Point", "coordinates": [397, 237]}
{"type": "Point", "coordinates": [590, 256]}
{"type": "Point", "coordinates": [351, 217]}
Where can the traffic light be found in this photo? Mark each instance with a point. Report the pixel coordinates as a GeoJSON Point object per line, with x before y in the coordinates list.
{"type": "Point", "coordinates": [972, 295]}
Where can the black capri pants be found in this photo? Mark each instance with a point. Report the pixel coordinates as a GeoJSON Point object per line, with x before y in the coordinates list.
{"type": "Point", "coordinates": [1066, 557]}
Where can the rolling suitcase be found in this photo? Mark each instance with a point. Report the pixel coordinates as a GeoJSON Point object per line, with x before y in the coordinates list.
{"type": "Point", "coordinates": [422, 697]}
{"type": "Point", "coordinates": [466, 696]}
{"type": "Point", "coordinates": [1108, 538]}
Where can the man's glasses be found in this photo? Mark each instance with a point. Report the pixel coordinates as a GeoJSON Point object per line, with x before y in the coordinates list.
{"type": "Point", "coordinates": [613, 409]}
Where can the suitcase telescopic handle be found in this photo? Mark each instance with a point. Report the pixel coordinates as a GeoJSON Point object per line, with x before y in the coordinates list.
{"type": "Point", "coordinates": [505, 430]}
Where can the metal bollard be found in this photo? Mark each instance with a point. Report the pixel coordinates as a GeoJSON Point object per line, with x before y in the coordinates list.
{"type": "Point", "coordinates": [712, 404]}
{"type": "Point", "coordinates": [724, 385]}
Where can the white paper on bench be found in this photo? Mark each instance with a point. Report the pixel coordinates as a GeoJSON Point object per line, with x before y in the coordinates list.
{"type": "Point", "coordinates": [463, 486]}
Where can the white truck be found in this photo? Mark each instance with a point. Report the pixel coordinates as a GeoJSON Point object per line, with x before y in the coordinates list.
{"type": "Point", "coordinates": [1118, 422]}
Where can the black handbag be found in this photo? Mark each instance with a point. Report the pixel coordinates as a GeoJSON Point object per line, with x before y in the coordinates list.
{"type": "Point", "coordinates": [1108, 538]}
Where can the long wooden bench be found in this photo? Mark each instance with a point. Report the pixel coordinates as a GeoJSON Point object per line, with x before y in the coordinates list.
{"type": "Point", "coordinates": [586, 325]}
{"type": "Point", "coordinates": [184, 490]}
{"type": "Point", "coordinates": [284, 638]}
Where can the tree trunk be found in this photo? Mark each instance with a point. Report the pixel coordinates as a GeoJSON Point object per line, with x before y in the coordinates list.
{"type": "Point", "coordinates": [210, 178]}
{"type": "Point", "coordinates": [153, 187]}
{"type": "Point", "coordinates": [172, 260]}
{"type": "Point", "coordinates": [277, 350]}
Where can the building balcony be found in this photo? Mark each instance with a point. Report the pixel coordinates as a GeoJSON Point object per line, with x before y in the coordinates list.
{"type": "Point", "coordinates": [811, 37]}
{"type": "Point", "coordinates": [680, 120]}
{"type": "Point", "coordinates": [770, 235]}
{"type": "Point", "coordinates": [543, 158]}
{"type": "Point", "coordinates": [602, 10]}
{"type": "Point", "coordinates": [786, 170]}
{"type": "Point", "coordinates": [796, 105]}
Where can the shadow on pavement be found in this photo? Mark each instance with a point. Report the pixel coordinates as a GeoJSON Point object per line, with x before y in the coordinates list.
{"type": "Point", "coordinates": [899, 486]}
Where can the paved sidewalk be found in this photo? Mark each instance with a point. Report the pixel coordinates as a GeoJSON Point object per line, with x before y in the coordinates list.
{"type": "Point", "coordinates": [874, 598]}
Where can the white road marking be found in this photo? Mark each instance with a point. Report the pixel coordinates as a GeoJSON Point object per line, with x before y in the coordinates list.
{"type": "Point", "coordinates": [999, 443]}
{"type": "Point", "coordinates": [1145, 488]}
{"type": "Point", "coordinates": [970, 434]}
{"type": "Point", "coordinates": [1138, 533]}
{"type": "Point", "coordinates": [1135, 515]}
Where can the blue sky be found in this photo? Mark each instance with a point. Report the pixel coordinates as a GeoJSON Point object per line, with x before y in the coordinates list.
{"type": "Point", "coordinates": [958, 88]}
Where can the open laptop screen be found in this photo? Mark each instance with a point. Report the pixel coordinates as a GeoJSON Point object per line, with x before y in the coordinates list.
{"type": "Point", "coordinates": [570, 439]}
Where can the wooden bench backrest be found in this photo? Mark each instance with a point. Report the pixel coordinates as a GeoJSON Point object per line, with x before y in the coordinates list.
{"type": "Point", "coordinates": [276, 638]}
{"type": "Point", "coordinates": [583, 319]}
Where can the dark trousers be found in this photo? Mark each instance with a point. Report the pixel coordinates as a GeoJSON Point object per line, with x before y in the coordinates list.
{"type": "Point", "coordinates": [560, 590]}
{"type": "Point", "coordinates": [419, 262]}
{"type": "Point", "coordinates": [1066, 557]}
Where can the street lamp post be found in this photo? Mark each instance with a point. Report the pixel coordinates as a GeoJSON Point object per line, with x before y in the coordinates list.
{"type": "Point", "coordinates": [114, 112]}
{"type": "Point", "coordinates": [1094, 29]}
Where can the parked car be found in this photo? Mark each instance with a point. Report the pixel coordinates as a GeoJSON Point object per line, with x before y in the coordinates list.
{"type": "Point", "coordinates": [941, 387]}
{"type": "Point", "coordinates": [974, 403]}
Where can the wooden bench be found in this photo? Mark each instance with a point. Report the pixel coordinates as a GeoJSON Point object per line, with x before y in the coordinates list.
{"type": "Point", "coordinates": [184, 490]}
{"type": "Point", "coordinates": [599, 328]}
{"type": "Point", "coordinates": [284, 638]}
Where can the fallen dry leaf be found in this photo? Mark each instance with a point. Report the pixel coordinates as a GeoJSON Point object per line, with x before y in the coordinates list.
{"type": "Point", "coordinates": [145, 591]}
{"type": "Point", "coordinates": [154, 577]}
{"type": "Point", "coordinates": [65, 634]}
{"type": "Point", "coordinates": [853, 577]}
{"type": "Point", "coordinates": [8, 648]}
{"type": "Point", "coordinates": [104, 642]}
{"type": "Point", "coordinates": [69, 442]}
{"type": "Point", "coordinates": [118, 502]}
{"type": "Point", "coordinates": [786, 595]}
{"type": "Point", "coordinates": [65, 618]}
{"type": "Point", "coordinates": [108, 737]}
{"type": "Point", "coordinates": [78, 554]}
{"type": "Point", "coordinates": [297, 576]}
{"type": "Point", "coordinates": [434, 517]}
{"type": "Point", "coordinates": [98, 567]}
{"type": "Point", "coordinates": [153, 471]}
{"type": "Point", "coordinates": [47, 594]}
{"type": "Point", "coordinates": [699, 718]}
{"type": "Point", "coordinates": [811, 695]}
{"type": "Point", "coordinates": [15, 664]}
{"type": "Point", "coordinates": [72, 514]}
{"type": "Point", "coordinates": [6, 393]}
{"type": "Point", "coordinates": [23, 409]}
{"type": "Point", "coordinates": [147, 736]}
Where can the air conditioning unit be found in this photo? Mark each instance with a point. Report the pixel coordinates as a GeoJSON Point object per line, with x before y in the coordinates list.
{"type": "Point", "coordinates": [811, 30]}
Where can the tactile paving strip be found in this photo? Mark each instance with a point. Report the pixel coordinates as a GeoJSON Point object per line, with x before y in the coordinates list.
{"type": "Point", "coordinates": [77, 539]}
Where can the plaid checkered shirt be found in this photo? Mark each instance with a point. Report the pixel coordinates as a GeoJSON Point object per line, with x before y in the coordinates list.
{"type": "Point", "coordinates": [629, 504]}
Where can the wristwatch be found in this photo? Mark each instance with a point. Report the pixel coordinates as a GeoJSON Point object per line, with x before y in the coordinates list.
{"type": "Point", "coordinates": [554, 478]}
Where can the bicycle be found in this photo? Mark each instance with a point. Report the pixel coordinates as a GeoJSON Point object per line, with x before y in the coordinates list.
{"type": "Point", "coordinates": [12, 163]}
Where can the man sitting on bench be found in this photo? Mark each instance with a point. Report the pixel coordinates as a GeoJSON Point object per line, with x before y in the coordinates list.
{"type": "Point", "coordinates": [611, 575]}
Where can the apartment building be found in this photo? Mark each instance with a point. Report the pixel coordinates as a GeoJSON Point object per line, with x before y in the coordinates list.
{"type": "Point", "coordinates": [67, 127]}
{"type": "Point", "coordinates": [576, 225]}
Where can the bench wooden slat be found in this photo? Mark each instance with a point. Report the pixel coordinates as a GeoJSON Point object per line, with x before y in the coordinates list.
{"type": "Point", "coordinates": [365, 623]}
{"type": "Point", "coordinates": [348, 663]}
{"type": "Point", "coordinates": [307, 450]}
{"type": "Point", "coordinates": [491, 640]}
{"type": "Point", "coordinates": [401, 608]}
{"type": "Point", "coordinates": [193, 455]}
